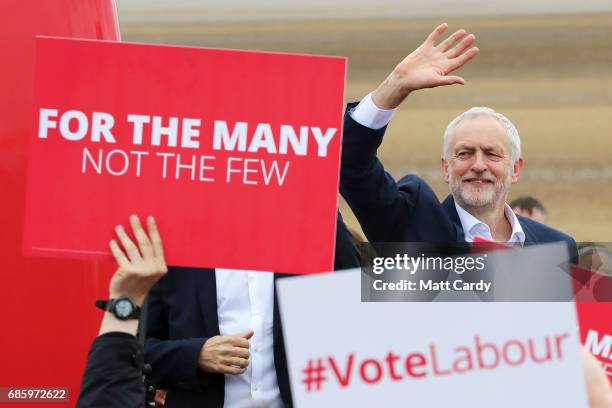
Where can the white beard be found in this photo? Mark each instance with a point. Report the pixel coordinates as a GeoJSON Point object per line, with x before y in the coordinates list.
{"type": "Point", "coordinates": [479, 196]}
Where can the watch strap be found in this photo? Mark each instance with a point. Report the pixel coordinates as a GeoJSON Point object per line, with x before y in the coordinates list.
{"type": "Point", "coordinates": [103, 304]}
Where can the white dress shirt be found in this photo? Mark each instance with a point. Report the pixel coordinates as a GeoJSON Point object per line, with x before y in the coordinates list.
{"type": "Point", "coordinates": [473, 227]}
{"type": "Point", "coordinates": [367, 114]}
{"type": "Point", "coordinates": [370, 115]}
{"type": "Point", "coordinates": [245, 300]}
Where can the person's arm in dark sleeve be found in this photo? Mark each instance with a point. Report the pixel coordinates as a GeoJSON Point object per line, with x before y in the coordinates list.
{"type": "Point", "coordinates": [347, 254]}
{"type": "Point", "coordinates": [371, 192]}
{"type": "Point", "coordinates": [573, 251]}
{"type": "Point", "coordinates": [113, 376]}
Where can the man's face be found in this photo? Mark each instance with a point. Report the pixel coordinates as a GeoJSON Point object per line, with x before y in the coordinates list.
{"type": "Point", "coordinates": [478, 164]}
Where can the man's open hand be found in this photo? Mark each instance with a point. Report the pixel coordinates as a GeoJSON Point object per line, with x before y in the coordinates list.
{"type": "Point", "coordinates": [428, 66]}
{"type": "Point", "coordinates": [227, 354]}
{"type": "Point", "coordinates": [141, 265]}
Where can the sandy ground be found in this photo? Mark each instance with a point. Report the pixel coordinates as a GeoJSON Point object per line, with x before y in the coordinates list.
{"type": "Point", "coordinates": [249, 10]}
{"type": "Point", "coordinates": [552, 75]}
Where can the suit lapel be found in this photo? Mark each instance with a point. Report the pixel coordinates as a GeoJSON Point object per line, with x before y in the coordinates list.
{"type": "Point", "coordinates": [449, 208]}
{"type": "Point", "coordinates": [276, 322]}
{"type": "Point", "coordinates": [207, 296]}
{"type": "Point", "coordinates": [529, 237]}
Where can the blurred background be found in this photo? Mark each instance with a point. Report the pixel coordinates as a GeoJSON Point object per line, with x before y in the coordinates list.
{"type": "Point", "coordinates": [547, 65]}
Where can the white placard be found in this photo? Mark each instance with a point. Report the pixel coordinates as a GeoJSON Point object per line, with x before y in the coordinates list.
{"type": "Point", "coordinates": [344, 353]}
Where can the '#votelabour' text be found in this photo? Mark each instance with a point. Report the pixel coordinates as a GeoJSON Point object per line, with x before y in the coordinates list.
{"type": "Point", "coordinates": [479, 355]}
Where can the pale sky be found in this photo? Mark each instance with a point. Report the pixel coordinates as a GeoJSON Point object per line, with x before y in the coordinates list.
{"type": "Point", "coordinates": [194, 10]}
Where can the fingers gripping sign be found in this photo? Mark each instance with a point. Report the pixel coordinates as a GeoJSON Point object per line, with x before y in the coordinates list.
{"type": "Point", "coordinates": [141, 263]}
{"type": "Point", "coordinates": [227, 354]}
{"type": "Point", "coordinates": [428, 66]}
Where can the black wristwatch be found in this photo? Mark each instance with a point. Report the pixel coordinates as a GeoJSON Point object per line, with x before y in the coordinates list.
{"type": "Point", "coordinates": [123, 308]}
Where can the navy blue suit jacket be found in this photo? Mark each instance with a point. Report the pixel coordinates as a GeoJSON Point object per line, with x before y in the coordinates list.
{"type": "Point", "coordinates": [182, 315]}
{"type": "Point", "coordinates": [409, 210]}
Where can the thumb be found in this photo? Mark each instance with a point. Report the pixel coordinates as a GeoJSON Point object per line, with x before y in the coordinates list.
{"type": "Point", "coordinates": [450, 80]}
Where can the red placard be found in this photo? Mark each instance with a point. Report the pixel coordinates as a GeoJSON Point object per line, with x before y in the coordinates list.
{"type": "Point", "coordinates": [48, 312]}
{"type": "Point", "coordinates": [236, 153]}
{"type": "Point", "coordinates": [594, 308]}
{"type": "Point", "coordinates": [596, 331]}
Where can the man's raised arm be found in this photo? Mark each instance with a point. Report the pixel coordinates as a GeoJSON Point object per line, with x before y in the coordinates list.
{"type": "Point", "coordinates": [372, 193]}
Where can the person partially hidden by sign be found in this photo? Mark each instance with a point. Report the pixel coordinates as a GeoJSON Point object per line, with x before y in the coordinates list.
{"type": "Point", "coordinates": [214, 336]}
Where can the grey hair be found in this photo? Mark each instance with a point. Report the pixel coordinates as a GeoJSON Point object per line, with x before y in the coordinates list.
{"type": "Point", "coordinates": [511, 131]}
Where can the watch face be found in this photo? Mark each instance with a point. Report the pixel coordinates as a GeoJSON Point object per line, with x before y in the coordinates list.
{"type": "Point", "coordinates": [123, 308]}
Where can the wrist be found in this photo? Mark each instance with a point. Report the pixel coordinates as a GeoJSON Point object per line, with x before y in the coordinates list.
{"type": "Point", "coordinates": [111, 324]}
{"type": "Point", "coordinates": [390, 93]}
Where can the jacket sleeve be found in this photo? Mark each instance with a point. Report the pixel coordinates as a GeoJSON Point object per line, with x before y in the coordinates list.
{"type": "Point", "coordinates": [346, 252]}
{"type": "Point", "coordinates": [369, 190]}
{"type": "Point", "coordinates": [113, 376]}
{"type": "Point", "coordinates": [573, 251]}
{"type": "Point", "coordinates": [174, 362]}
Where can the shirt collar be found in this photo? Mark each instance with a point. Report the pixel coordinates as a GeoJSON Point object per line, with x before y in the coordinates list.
{"type": "Point", "coordinates": [518, 235]}
{"type": "Point", "coordinates": [473, 227]}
